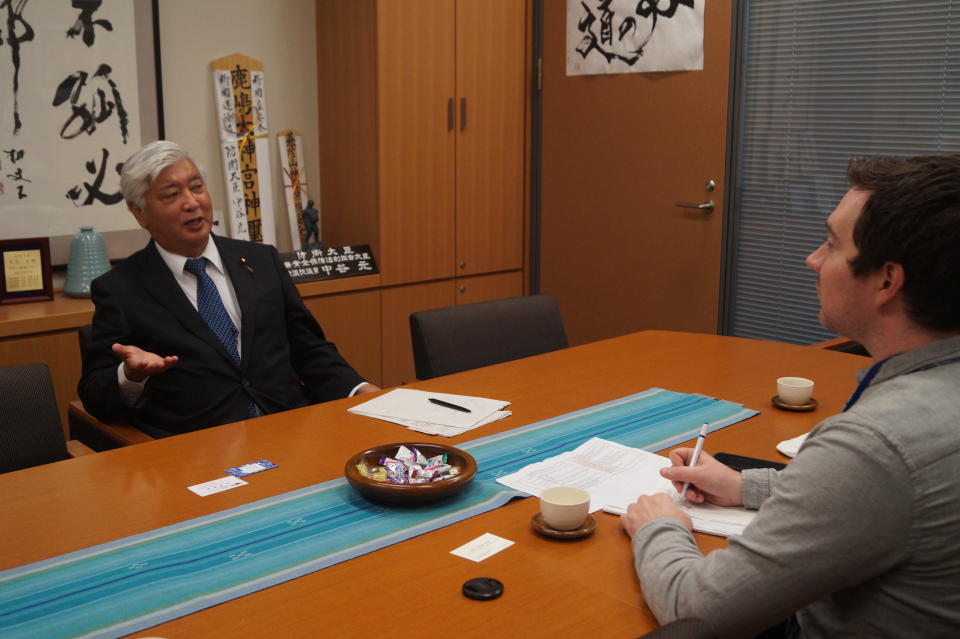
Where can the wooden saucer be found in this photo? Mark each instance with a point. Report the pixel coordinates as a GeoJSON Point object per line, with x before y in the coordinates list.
{"type": "Point", "coordinates": [811, 404]}
{"type": "Point", "coordinates": [589, 525]}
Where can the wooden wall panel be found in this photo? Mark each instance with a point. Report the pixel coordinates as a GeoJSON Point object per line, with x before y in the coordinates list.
{"type": "Point", "coordinates": [352, 322]}
{"type": "Point", "coordinates": [347, 99]}
{"type": "Point", "coordinates": [397, 303]}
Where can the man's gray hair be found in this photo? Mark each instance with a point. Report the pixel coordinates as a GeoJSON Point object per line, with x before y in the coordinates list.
{"type": "Point", "coordinates": [143, 167]}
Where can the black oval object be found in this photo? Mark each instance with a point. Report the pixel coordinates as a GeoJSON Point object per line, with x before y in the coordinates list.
{"type": "Point", "coordinates": [482, 588]}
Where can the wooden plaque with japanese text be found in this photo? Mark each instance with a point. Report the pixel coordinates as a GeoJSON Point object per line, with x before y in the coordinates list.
{"type": "Point", "coordinates": [240, 95]}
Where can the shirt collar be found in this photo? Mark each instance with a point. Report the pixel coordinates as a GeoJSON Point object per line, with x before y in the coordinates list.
{"type": "Point", "coordinates": [176, 262]}
{"type": "Point", "coordinates": [926, 356]}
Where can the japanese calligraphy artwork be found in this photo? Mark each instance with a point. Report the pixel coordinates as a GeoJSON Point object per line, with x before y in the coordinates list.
{"type": "Point", "coordinates": [301, 204]}
{"type": "Point", "coordinates": [238, 83]}
{"type": "Point", "coordinates": [631, 36]}
{"type": "Point", "coordinates": [70, 114]}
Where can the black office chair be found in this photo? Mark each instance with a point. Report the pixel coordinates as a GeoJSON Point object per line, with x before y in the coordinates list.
{"type": "Point", "coordinates": [30, 429]}
{"type": "Point", "coordinates": [460, 338]}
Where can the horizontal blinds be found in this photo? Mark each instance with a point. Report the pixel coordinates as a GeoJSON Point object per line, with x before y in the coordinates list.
{"type": "Point", "coordinates": [823, 81]}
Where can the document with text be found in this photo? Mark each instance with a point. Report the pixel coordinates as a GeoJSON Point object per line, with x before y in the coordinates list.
{"type": "Point", "coordinates": [615, 475]}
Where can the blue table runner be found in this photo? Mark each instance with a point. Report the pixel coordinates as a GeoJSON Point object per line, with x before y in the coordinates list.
{"type": "Point", "coordinates": [144, 580]}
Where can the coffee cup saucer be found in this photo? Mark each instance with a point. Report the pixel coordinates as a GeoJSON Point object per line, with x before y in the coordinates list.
{"type": "Point", "coordinates": [585, 530]}
{"type": "Point", "coordinates": [810, 404]}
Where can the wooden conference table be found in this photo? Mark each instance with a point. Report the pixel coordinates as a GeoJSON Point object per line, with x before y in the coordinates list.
{"type": "Point", "coordinates": [550, 587]}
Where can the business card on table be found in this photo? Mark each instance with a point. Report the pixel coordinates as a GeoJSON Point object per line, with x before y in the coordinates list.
{"type": "Point", "coordinates": [216, 485]}
{"type": "Point", "coordinates": [486, 545]}
{"type": "Point", "coordinates": [251, 468]}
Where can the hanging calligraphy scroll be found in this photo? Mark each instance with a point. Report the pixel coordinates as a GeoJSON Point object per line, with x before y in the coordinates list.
{"type": "Point", "coordinates": [301, 205]}
{"type": "Point", "coordinates": [78, 96]}
{"type": "Point", "coordinates": [238, 83]}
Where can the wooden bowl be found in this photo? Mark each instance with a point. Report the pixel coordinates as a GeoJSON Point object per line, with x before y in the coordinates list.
{"type": "Point", "coordinates": [410, 493]}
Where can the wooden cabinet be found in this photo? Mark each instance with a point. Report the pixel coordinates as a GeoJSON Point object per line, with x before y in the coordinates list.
{"type": "Point", "coordinates": [446, 129]}
{"type": "Point", "coordinates": [423, 139]}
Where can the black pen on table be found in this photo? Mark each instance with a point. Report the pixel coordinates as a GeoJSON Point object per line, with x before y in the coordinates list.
{"type": "Point", "coordinates": [440, 402]}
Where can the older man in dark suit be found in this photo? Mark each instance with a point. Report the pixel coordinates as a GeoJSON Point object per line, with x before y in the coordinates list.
{"type": "Point", "coordinates": [196, 330]}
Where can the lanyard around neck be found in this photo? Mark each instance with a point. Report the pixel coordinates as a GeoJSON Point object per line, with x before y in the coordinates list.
{"type": "Point", "coordinates": [863, 384]}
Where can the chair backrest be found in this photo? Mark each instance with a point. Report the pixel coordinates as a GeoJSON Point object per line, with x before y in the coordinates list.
{"type": "Point", "coordinates": [30, 429]}
{"type": "Point", "coordinates": [85, 338]}
{"type": "Point", "coordinates": [467, 336]}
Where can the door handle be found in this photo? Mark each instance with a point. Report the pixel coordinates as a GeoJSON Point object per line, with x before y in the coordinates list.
{"type": "Point", "coordinates": [706, 207]}
{"type": "Point", "coordinates": [463, 114]}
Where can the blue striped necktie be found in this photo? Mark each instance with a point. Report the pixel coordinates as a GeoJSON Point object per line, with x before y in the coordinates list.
{"type": "Point", "coordinates": [215, 314]}
{"type": "Point", "coordinates": [211, 307]}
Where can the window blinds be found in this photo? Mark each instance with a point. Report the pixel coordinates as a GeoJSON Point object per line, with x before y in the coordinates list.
{"type": "Point", "coordinates": [821, 81]}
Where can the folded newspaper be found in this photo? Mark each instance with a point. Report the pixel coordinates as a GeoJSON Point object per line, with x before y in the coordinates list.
{"type": "Point", "coordinates": [433, 413]}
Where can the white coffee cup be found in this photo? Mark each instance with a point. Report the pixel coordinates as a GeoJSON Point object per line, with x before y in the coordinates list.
{"type": "Point", "coordinates": [564, 507]}
{"type": "Point", "coordinates": [795, 391]}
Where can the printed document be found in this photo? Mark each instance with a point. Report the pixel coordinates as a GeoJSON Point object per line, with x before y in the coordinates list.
{"type": "Point", "coordinates": [615, 475]}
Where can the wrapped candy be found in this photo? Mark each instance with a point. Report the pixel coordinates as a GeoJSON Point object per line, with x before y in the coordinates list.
{"type": "Point", "coordinates": [410, 466]}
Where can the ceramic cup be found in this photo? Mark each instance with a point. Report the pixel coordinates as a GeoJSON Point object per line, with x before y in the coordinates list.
{"type": "Point", "coordinates": [795, 391]}
{"type": "Point", "coordinates": [564, 507]}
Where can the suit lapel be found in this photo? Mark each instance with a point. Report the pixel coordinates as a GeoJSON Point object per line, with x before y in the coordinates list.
{"type": "Point", "coordinates": [160, 284]}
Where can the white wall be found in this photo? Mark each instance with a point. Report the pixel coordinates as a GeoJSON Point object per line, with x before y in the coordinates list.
{"type": "Point", "coordinates": [279, 33]}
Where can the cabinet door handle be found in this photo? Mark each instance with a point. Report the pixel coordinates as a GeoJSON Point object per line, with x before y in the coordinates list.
{"type": "Point", "coordinates": [463, 113]}
{"type": "Point", "coordinates": [450, 114]}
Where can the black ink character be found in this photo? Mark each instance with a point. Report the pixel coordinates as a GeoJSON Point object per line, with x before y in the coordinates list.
{"type": "Point", "coordinates": [15, 155]}
{"type": "Point", "coordinates": [17, 176]}
{"type": "Point", "coordinates": [624, 48]}
{"type": "Point", "coordinates": [310, 218]}
{"type": "Point", "coordinates": [14, 40]}
{"type": "Point", "coordinates": [93, 190]}
{"type": "Point", "coordinates": [85, 22]}
{"type": "Point", "coordinates": [84, 117]}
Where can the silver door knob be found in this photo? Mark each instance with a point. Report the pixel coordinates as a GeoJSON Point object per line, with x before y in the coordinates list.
{"type": "Point", "coordinates": [706, 207]}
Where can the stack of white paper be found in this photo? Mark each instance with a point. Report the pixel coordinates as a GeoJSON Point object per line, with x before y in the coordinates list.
{"type": "Point", "coordinates": [413, 409]}
{"type": "Point", "coordinates": [615, 475]}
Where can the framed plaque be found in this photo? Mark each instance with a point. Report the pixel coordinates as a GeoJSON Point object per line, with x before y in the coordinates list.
{"type": "Point", "coordinates": [25, 270]}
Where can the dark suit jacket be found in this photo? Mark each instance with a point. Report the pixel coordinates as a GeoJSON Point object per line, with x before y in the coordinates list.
{"type": "Point", "coordinates": [285, 360]}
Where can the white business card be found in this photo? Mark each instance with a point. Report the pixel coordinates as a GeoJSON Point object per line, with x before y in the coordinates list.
{"type": "Point", "coordinates": [216, 485]}
{"type": "Point", "coordinates": [486, 545]}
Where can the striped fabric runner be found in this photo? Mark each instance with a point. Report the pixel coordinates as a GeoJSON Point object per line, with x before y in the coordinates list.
{"type": "Point", "coordinates": [140, 581]}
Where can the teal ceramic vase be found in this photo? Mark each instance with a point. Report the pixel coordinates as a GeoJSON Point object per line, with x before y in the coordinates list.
{"type": "Point", "coordinates": [88, 260]}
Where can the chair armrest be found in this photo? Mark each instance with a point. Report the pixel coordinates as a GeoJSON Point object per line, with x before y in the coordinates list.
{"type": "Point", "coordinates": [78, 449]}
{"type": "Point", "coordinates": [100, 435]}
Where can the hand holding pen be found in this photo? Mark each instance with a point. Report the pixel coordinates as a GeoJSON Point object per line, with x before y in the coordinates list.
{"type": "Point", "coordinates": [709, 480]}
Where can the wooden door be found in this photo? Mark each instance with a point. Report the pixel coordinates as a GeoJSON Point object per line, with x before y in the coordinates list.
{"type": "Point", "coordinates": [415, 81]}
{"type": "Point", "coordinates": [618, 151]}
{"type": "Point", "coordinates": [491, 47]}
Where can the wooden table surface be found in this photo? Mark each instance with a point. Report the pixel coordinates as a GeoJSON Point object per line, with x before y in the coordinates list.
{"type": "Point", "coordinates": [550, 587]}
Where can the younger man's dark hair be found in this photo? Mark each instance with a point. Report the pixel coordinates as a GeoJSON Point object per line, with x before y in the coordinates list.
{"type": "Point", "coordinates": [912, 217]}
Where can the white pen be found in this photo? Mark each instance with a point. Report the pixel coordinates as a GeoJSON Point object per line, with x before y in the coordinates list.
{"type": "Point", "coordinates": [696, 457]}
